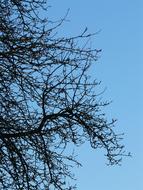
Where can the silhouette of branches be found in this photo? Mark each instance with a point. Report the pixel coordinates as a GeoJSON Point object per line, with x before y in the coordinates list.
{"type": "Point", "coordinates": [47, 101]}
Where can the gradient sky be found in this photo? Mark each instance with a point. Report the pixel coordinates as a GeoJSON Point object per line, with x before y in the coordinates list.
{"type": "Point", "coordinates": [120, 69]}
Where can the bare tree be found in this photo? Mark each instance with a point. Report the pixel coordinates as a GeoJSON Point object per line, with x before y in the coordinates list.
{"type": "Point", "coordinates": [47, 101]}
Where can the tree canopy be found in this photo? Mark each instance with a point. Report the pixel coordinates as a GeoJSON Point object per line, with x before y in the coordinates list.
{"type": "Point", "coordinates": [48, 101]}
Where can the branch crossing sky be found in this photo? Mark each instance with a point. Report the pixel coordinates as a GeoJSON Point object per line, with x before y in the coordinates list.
{"type": "Point", "coordinates": [120, 69]}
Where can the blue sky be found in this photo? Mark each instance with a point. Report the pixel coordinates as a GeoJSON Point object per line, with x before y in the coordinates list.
{"type": "Point", "coordinates": [120, 69]}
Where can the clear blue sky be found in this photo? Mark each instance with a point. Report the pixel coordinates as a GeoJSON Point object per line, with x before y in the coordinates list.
{"type": "Point", "coordinates": [120, 69]}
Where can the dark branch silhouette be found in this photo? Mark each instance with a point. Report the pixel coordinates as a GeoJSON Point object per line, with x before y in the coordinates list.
{"type": "Point", "coordinates": [47, 101]}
